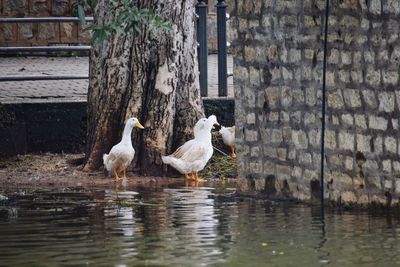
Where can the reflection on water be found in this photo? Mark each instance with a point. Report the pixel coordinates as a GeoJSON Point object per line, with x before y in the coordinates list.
{"type": "Point", "coordinates": [188, 227]}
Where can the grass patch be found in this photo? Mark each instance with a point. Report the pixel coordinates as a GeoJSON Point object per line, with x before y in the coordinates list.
{"type": "Point", "coordinates": [220, 167]}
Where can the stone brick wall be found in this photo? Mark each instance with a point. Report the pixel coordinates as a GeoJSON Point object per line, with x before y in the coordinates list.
{"type": "Point", "coordinates": [278, 56]}
{"type": "Point", "coordinates": [27, 34]}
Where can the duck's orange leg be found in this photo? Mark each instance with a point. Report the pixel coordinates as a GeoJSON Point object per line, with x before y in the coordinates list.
{"type": "Point", "coordinates": [116, 175]}
{"type": "Point", "coordinates": [233, 155]}
{"type": "Point", "coordinates": [124, 177]}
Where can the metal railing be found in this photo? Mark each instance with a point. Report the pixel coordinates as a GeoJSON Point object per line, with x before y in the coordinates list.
{"type": "Point", "coordinates": [44, 20]}
{"type": "Point", "coordinates": [201, 9]}
{"type": "Point", "coordinates": [47, 49]}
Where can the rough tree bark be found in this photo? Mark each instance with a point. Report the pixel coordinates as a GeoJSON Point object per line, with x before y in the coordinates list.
{"type": "Point", "coordinates": [153, 79]}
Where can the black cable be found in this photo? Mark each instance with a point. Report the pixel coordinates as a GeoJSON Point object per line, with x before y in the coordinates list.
{"type": "Point", "coordinates": [322, 184]}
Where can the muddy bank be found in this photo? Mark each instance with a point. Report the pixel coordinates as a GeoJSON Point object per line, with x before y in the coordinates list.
{"type": "Point", "coordinates": [64, 170]}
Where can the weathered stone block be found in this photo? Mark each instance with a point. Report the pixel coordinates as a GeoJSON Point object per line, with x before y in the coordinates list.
{"type": "Point", "coordinates": [254, 76]}
{"type": "Point", "coordinates": [288, 21]}
{"type": "Point", "coordinates": [8, 32]}
{"type": "Point", "coordinates": [60, 8]}
{"type": "Point", "coordinates": [387, 166]}
{"type": "Point", "coordinates": [395, 124]}
{"type": "Point", "coordinates": [249, 98]}
{"type": "Point", "coordinates": [347, 119]}
{"type": "Point", "coordinates": [349, 163]}
{"type": "Point", "coordinates": [272, 94]}
{"type": "Point", "coordinates": [377, 123]}
{"type": "Point", "coordinates": [309, 118]}
{"type": "Point", "coordinates": [391, 145]}
{"type": "Point", "coordinates": [249, 53]}
{"type": "Point", "coordinates": [345, 57]}
{"type": "Point", "coordinates": [281, 152]}
{"type": "Point", "coordinates": [360, 121]}
{"type": "Point", "coordinates": [357, 57]}
{"type": "Point", "coordinates": [294, 55]}
{"type": "Point", "coordinates": [387, 184]}
{"type": "Point", "coordinates": [371, 165]}
{"type": "Point", "coordinates": [333, 56]}
{"type": "Point", "coordinates": [311, 96]}
{"type": "Point", "coordinates": [68, 32]}
{"type": "Point", "coordinates": [335, 120]}
{"type": "Point", "coordinates": [336, 159]}
{"type": "Point", "coordinates": [363, 143]}
{"type": "Point", "coordinates": [305, 158]}
{"type": "Point", "coordinates": [352, 98]}
{"type": "Point", "coordinates": [270, 151]}
{"type": "Point", "coordinates": [292, 154]}
{"type": "Point", "coordinates": [283, 172]}
{"type": "Point", "coordinates": [269, 168]}
{"type": "Point", "coordinates": [295, 117]}
{"type": "Point", "coordinates": [297, 172]}
{"type": "Point", "coordinates": [25, 31]}
{"type": "Point", "coordinates": [395, 56]}
{"type": "Point", "coordinates": [299, 139]}
{"type": "Point", "coordinates": [309, 175]}
{"type": "Point", "coordinates": [330, 78]}
{"type": "Point", "coordinates": [250, 135]}
{"type": "Point", "coordinates": [286, 96]}
{"type": "Point", "coordinates": [396, 167]}
{"type": "Point", "coordinates": [287, 134]}
{"type": "Point", "coordinates": [335, 99]}
{"type": "Point", "coordinates": [284, 116]}
{"type": "Point", "coordinates": [15, 8]}
{"type": "Point", "coordinates": [39, 7]}
{"type": "Point", "coordinates": [83, 36]}
{"type": "Point", "coordinates": [370, 99]}
{"type": "Point", "coordinates": [373, 77]}
{"type": "Point", "coordinates": [378, 144]}
{"type": "Point", "coordinates": [251, 118]}
{"type": "Point", "coordinates": [314, 137]}
{"type": "Point", "coordinates": [390, 77]}
{"type": "Point", "coordinates": [369, 56]}
{"type": "Point", "coordinates": [344, 76]}
{"type": "Point", "coordinates": [330, 139]}
{"type": "Point", "coordinates": [375, 7]}
{"type": "Point", "coordinates": [386, 101]}
{"type": "Point", "coordinates": [256, 167]}
{"type": "Point", "coordinates": [276, 136]}
{"type": "Point", "coordinates": [298, 96]}
{"type": "Point", "coordinates": [391, 6]}
{"type": "Point", "coordinates": [316, 159]}
{"type": "Point", "coordinates": [48, 32]}
{"type": "Point", "coordinates": [346, 140]}
{"type": "Point", "coordinates": [255, 151]}
{"type": "Point", "coordinates": [356, 76]}
{"type": "Point", "coordinates": [287, 74]}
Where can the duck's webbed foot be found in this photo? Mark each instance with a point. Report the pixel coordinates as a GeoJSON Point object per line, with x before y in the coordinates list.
{"type": "Point", "coordinates": [117, 178]}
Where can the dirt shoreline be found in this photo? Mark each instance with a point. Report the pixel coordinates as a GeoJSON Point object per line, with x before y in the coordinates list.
{"type": "Point", "coordinates": [54, 170]}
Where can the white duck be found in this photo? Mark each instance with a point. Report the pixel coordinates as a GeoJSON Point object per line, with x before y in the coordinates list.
{"type": "Point", "coordinates": [192, 156]}
{"type": "Point", "coordinates": [121, 155]}
{"type": "Point", "coordinates": [228, 136]}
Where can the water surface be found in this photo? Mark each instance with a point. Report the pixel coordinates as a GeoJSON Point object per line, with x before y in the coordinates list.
{"type": "Point", "coordinates": [185, 227]}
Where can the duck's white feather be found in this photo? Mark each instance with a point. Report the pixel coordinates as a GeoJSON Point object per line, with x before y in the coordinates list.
{"type": "Point", "coordinates": [228, 135]}
{"type": "Point", "coordinates": [122, 154]}
{"type": "Point", "coordinates": [193, 155]}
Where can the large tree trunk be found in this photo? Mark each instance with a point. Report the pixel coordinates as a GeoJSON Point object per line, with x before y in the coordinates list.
{"type": "Point", "coordinates": [153, 79]}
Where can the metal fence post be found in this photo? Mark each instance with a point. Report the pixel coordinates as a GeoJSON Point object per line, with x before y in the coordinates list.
{"type": "Point", "coordinates": [222, 64]}
{"type": "Point", "coordinates": [202, 50]}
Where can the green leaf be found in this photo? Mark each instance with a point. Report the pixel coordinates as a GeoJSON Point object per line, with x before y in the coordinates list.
{"type": "Point", "coordinates": [81, 14]}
